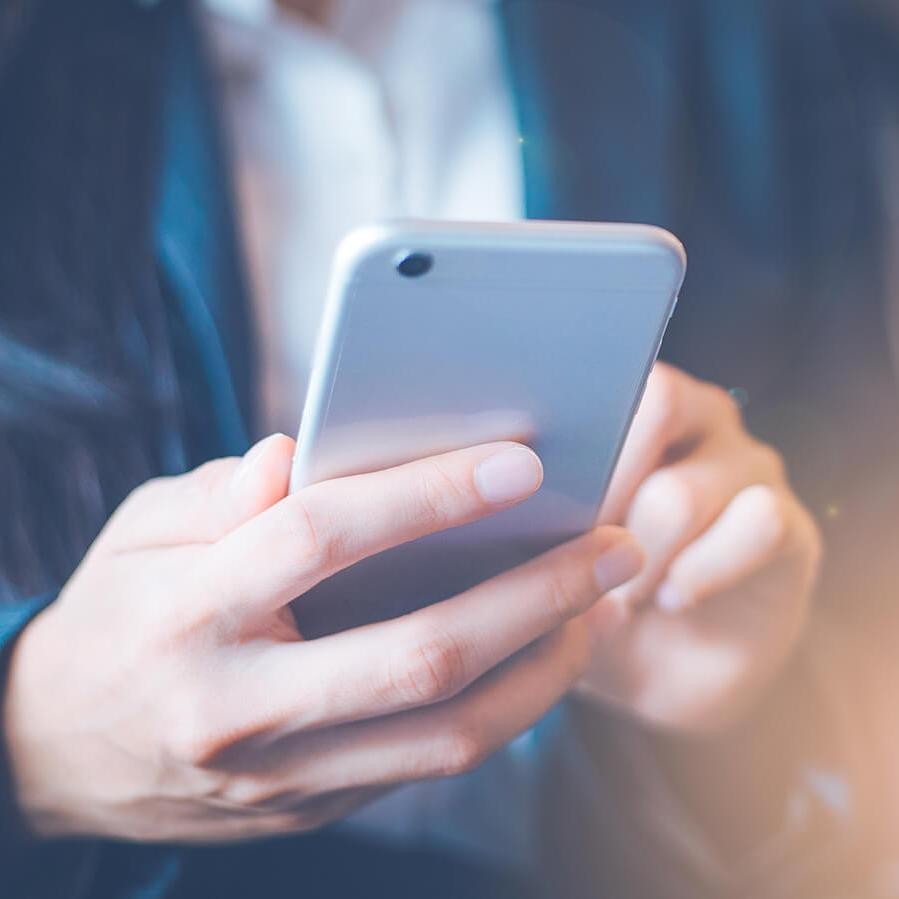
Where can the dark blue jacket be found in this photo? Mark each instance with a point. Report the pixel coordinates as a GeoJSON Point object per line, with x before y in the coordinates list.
{"type": "Point", "coordinates": [751, 128]}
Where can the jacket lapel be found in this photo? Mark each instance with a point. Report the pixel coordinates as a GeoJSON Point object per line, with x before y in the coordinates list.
{"type": "Point", "coordinates": [618, 124]}
{"type": "Point", "coordinates": [197, 245]}
{"type": "Point", "coordinates": [597, 108]}
{"type": "Point", "coordinates": [634, 110]}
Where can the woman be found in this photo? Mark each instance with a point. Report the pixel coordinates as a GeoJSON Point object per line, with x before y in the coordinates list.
{"type": "Point", "coordinates": [196, 713]}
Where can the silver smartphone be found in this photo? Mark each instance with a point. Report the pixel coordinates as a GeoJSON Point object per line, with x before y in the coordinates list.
{"type": "Point", "coordinates": [441, 335]}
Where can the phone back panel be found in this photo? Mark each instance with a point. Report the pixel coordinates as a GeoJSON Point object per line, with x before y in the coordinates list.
{"type": "Point", "coordinates": [542, 332]}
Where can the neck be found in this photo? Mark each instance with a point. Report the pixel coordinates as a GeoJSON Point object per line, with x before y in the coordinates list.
{"type": "Point", "coordinates": [316, 11]}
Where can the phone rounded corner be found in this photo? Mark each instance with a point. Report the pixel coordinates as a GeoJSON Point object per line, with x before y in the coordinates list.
{"type": "Point", "coordinates": [355, 245]}
{"type": "Point", "coordinates": [673, 247]}
{"type": "Point", "coordinates": [367, 240]}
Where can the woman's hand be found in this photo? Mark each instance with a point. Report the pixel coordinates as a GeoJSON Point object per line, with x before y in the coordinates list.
{"type": "Point", "coordinates": [731, 561]}
{"type": "Point", "coordinates": [168, 696]}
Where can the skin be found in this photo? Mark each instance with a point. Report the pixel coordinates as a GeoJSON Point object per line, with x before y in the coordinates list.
{"type": "Point", "coordinates": [194, 711]}
{"type": "Point", "coordinates": [732, 557]}
{"type": "Point", "coordinates": [167, 695]}
{"type": "Point", "coordinates": [732, 554]}
{"type": "Point", "coordinates": [317, 11]}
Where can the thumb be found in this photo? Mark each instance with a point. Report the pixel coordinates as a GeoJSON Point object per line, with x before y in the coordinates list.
{"type": "Point", "coordinates": [205, 504]}
{"type": "Point", "coordinates": [260, 479]}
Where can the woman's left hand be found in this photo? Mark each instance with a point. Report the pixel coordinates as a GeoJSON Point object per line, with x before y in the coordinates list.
{"type": "Point", "coordinates": [732, 557]}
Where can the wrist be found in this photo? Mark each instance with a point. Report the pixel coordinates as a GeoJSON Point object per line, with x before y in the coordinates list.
{"type": "Point", "coordinates": [33, 763]}
{"type": "Point", "coordinates": [754, 764]}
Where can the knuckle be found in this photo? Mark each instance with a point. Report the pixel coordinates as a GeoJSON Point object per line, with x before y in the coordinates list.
{"type": "Point", "coordinates": [314, 544]}
{"type": "Point", "coordinates": [192, 617]}
{"type": "Point", "coordinates": [769, 511]}
{"type": "Point", "coordinates": [189, 744]}
{"type": "Point", "coordinates": [460, 751]}
{"type": "Point", "coordinates": [670, 495]}
{"type": "Point", "coordinates": [192, 738]}
{"type": "Point", "coordinates": [430, 669]}
{"type": "Point", "coordinates": [439, 493]}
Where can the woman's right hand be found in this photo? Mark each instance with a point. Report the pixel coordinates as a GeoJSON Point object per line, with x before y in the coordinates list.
{"type": "Point", "coordinates": [167, 696]}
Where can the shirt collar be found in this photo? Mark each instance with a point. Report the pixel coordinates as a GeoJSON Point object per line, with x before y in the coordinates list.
{"type": "Point", "coordinates": [248, 12]}
{"type": "Point", "coordinates": [257, 12]}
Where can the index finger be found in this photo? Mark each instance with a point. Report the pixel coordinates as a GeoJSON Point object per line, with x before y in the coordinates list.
{"type": "Point", "coordinates": [322, 529]}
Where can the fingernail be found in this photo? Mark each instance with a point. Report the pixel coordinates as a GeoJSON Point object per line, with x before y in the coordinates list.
{"type": "Point", "coordinates": [251, 458]}
{"type": "Point", "coordinates": [618, 565]}
{"type": "Point", "coordinates": [511, 474]}
{"type": "Point", "coordinates": [670, 599]}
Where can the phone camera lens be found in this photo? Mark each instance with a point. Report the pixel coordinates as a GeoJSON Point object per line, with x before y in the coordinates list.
{"type": "Point", "coordinates": [414, 265]}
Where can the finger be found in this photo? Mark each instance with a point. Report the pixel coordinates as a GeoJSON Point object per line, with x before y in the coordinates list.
{"type": "Point", "coordinates": [450, 738]}
{"type": "Point", "coordinates": [435, 653]}
{"type": "Point", "coordinates": [388, 443]}
{"type": "Point", "coordinates": [678, 503]}
{"type": "Point", "coordinates": [203, 505]}
{"type": "Point", "coordinates": [759, 528]}
{"type": "Point", "coordinates": [676, 413]}
{"type": "Point", "coordinates": [324, 528]}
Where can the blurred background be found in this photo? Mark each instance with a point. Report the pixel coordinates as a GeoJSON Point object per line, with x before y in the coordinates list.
{"type": "Point", "coordinates": [764, 133]}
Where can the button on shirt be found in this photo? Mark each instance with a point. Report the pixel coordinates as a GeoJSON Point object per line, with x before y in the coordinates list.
{"type": "Point", "coordinates": [395, 109]}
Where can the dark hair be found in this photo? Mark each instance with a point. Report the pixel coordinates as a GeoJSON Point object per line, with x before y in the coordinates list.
{"type": "Point", "coordinates": [86, 366]}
